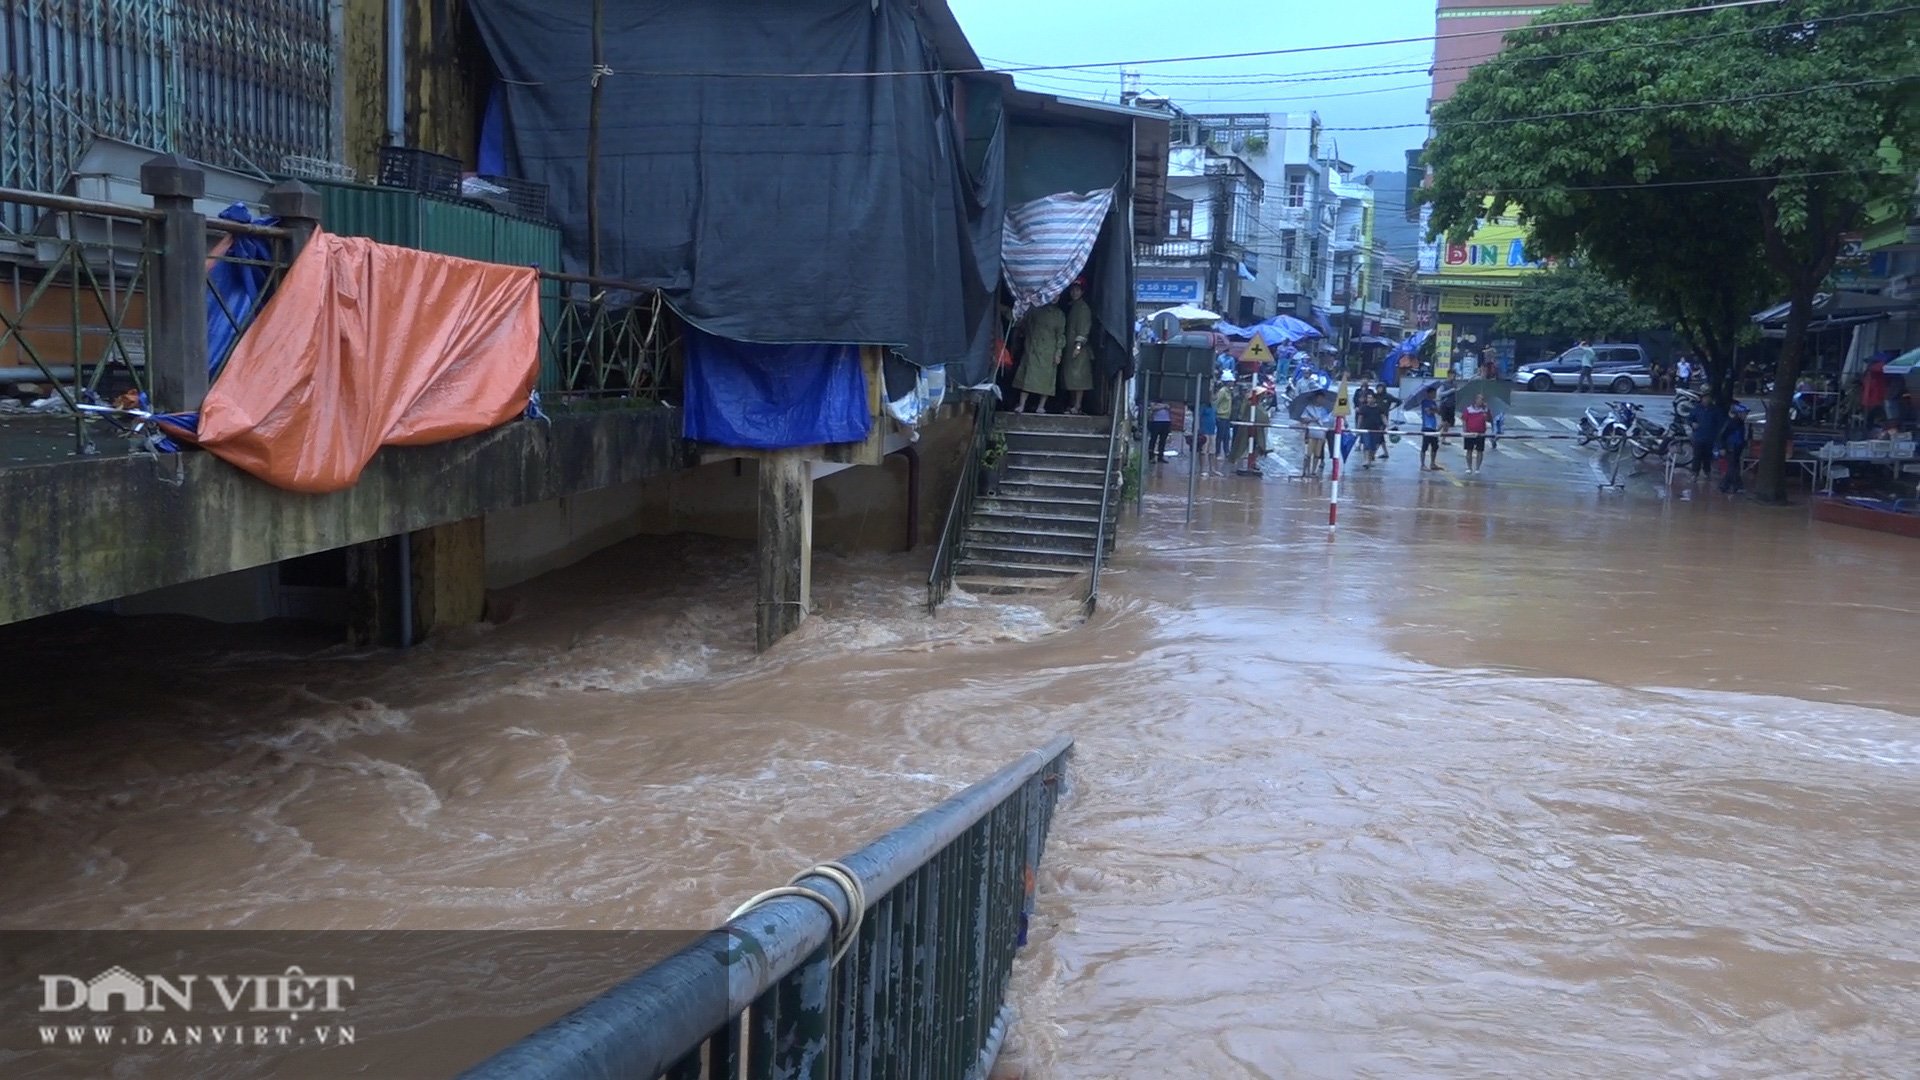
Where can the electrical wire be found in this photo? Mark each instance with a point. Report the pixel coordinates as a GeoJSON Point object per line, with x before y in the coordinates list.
{"type": "Point", "coordinates": [1411, 67]}
{"type": "Point", "coordinates": [1296, 50]}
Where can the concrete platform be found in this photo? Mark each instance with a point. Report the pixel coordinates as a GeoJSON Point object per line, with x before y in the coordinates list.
{"type": "Point", "coordinates": [82, 530]}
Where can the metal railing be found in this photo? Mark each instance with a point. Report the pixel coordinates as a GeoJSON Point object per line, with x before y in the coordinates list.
{"type": "Point", "coordinates": [78, 293]}
{"type": "Point", "coordinates": [920, 990]}
{"type": "Point", "coordinates": [1103, 535]}
{"type": "Point", "coordinates": [960, 511]}
{"type": "Point", "coordinates": [605, 339]}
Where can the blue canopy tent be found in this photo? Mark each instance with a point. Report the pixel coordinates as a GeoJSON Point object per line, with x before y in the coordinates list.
{"type": "Point", "coordinates": [1279, 330]}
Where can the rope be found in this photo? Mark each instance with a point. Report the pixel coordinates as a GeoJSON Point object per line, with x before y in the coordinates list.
{"type": "Point", "coordinates": [843, 931]}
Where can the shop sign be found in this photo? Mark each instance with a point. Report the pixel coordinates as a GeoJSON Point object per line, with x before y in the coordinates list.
{"type": "Point", "coordinates": [1476, 301]}
{"type": "Point", "coordinates": [1443, 351]}
{"type": "Point", "coordinates": [1496, 249]}
{"type": "Point", "coordinates": [1166, 290]}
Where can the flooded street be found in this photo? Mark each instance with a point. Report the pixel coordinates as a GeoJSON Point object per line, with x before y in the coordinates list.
{"type": "Point", "coordinates": [1509, 779]}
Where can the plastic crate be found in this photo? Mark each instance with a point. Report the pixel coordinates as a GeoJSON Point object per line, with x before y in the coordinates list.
{"type": "Point", "coordinates": [419, 170]}
{"type": "Point", "coordinates": [527, 198]}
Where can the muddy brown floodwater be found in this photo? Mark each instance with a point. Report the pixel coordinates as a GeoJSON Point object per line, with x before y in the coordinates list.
{"type": "Point", "coordinates": [1502, 782]}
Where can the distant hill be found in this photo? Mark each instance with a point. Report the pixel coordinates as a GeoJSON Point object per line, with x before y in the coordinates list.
{"type": "Point", "coordinates": [1400, 237]}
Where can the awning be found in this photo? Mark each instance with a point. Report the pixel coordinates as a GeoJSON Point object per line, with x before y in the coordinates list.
{"type": "Point", "coordinates": [1832, 310]}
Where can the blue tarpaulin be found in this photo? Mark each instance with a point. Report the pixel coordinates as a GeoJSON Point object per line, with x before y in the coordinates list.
{"type": "Point", "coordinates": [1279, 330]}
{"type": "Point", "coordinates": [771, 397]}
{"type": "Point", "coordinates": [234, 288]}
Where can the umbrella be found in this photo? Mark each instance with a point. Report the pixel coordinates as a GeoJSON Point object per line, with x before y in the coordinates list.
{"type": "Point", "coordinates": [1499, 393]}
{"type": "Point", "coordinates": [1298, 406]}
{"type": "Point", "coordinates": [1188, 313]}
{"type": "Point", "coordinates": [1414, 388]}
{"type": "Point", "coordinates": [1904, 363]}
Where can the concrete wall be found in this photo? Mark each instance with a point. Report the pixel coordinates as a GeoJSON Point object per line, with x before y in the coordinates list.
{"type": "Point", "coordinates": [862, 508]}
{"type": "Point", "coordinates": [84, 531]}
{"type": "Point", "coordinates": [527, 541]}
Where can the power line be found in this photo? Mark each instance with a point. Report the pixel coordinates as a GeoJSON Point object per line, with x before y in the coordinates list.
{"type": "Point", "coordinates": [1408, 67]}
{"type": "Point", "coordinates": [1250, 54]}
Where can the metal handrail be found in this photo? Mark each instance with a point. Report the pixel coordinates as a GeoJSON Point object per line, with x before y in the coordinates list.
{"type": "Point", "coordinates": [604, 338]}
{"type": "Point", "coordinates": [920, 991]}
{"type": "Point", "coordinates": [47, 201]}
{"type": "Point", "coordinates": [960, 511]}
{"type": "Point", "coordinates": [1116, 409]}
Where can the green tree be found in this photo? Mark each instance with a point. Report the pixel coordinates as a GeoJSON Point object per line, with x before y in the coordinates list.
{"type": "Point", "coordinates": [1704, 159]}
{"type": "Point", "coordinates": [1574, 301]}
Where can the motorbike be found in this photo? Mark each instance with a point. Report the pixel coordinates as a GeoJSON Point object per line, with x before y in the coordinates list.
{"type": "Point", "coordinates": [1684, 402]}
{"type": "Point", "coordinates": [1609, 429]}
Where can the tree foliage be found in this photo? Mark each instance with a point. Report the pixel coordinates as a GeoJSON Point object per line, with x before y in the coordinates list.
{"type": "Point", "coordinates": [1706, 160]}
{"type": "Point", "coordinates": [1574, 301]}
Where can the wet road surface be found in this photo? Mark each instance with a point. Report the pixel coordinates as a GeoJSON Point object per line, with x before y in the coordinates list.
{"type": "Point", "coordinates": [1511, 778]}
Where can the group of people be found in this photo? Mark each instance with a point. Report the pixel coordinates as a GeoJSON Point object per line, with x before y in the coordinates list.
{"type": "Point", "coordinates": [1371, 410]}
{"type": "Point", "coordinates": [1056, 353]}
{"type": "Point", "coordinates": [1437, 417]}
{"type": "Point", "coordinates": [1215, 438]}
{"type": "Point", "coordinates": [1719, 426]}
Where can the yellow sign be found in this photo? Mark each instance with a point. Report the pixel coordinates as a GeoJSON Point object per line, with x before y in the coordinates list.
{"type": "Point", "coordinates": [1476, 301]}
{"type": "Point", "coordinates": [1342, 405]}
{"type": "Point", "coordinates": [1497, 249]}
{"type": "Point", "coordinates": [1257, 353]}
{"type": "Point", "coordinates": [1443, 351]}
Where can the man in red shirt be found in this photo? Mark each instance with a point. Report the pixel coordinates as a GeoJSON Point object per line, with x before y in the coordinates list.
{"type": "Point", "coordinates": [1474, 420]}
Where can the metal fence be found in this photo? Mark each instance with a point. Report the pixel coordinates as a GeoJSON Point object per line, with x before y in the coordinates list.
{"type": "Point", "coordinates": [960, 511]}
{"type": "Point", "coordinates": [919, 991]}
{"type": "Point", "coordinates": [74, 294]}
{"type": "Point", "coordinates": [606, 339]}
{"type": "Point", "coordinates": [242, 84]}
{"type": "Point", "coordinates": [1106, 535]}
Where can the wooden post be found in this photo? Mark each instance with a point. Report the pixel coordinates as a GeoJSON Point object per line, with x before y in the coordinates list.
{"type": "Point", "coordinates": [786, 545]}
{"type": "Point", "coordinates": [177, 291]}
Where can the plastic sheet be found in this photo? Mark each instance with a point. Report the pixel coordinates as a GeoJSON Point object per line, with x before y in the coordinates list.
{"type": "Point", "coordinates": [366, 345]}
{"type": "Point", "coordinates": [234, 288]}
{"type": "Point", "coordinates": [772, 397]}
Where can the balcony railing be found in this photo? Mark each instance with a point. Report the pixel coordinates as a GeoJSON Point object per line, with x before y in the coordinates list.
{"type": "Point", "coordinates": [605, 339]}
{"type": "Point", "coordinates": [1176, 249]}
{"type": "Point", "coordinates": [87, 287]}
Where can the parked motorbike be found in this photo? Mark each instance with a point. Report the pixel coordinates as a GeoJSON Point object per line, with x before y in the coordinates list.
{"type": "Point", "coordinates": [1609, 429]}
{"type": "Point", "coordinates": [1684, 402]}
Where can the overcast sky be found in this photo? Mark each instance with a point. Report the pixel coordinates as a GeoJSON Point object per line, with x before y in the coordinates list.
{"type": "Point", "coordinates": [1349, 88]}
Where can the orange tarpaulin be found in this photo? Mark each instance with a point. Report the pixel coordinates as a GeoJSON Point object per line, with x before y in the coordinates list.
{"type": "Point", "coordinates": [367, 345]}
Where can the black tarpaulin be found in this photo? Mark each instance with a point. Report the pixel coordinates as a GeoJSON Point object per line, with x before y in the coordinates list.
{"type": "Point", "coordinates": [765, 207]}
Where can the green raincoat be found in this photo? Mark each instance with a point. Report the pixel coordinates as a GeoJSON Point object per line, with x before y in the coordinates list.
{"type": "Point", "coordinates": [1040, 360]}
{"type": "Point", "coordinates": [1077, 373]}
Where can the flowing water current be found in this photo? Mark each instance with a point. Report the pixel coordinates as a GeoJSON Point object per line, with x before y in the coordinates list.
{"type": "Point", "coordinates": [1500, 782]}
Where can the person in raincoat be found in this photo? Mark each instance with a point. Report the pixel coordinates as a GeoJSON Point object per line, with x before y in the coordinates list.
{"type": "Point", "coordinates": [1040, 359]}
{"type": "Point", "coordinates": [1076, 374]}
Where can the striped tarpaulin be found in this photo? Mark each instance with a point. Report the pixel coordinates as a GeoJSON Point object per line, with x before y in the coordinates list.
{"type": "Point", "coordinates": [1046, 244]}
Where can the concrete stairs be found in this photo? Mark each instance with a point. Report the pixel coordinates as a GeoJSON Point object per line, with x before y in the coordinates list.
{"type": "Point", "coordinates": [1038, 531]}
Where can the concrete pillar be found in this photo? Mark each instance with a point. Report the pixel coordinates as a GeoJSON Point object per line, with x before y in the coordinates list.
{"type": "Point", "coordinates": [177, 288]}
{"type": "Point", "coordinates": [449, 576]}
{"type": "Point", "coordinates": [298, 208]}
{"type": "Point", "coordinates": [373, 593]}
{"type": "Point", "coordinates": [786, 545]}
